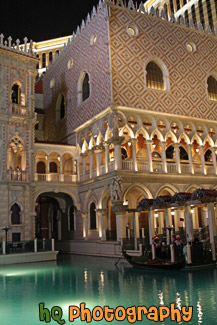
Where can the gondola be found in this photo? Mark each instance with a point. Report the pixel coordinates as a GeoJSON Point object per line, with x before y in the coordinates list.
{"type": "Point", "coordinates": [156, 264]}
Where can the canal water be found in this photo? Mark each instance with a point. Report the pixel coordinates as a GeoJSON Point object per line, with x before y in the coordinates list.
{"type": "Point", "coordinates": [73, 280]}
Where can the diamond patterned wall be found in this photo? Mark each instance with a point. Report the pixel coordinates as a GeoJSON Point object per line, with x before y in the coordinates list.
{"type": "Point", "coordinates": [187, 71]}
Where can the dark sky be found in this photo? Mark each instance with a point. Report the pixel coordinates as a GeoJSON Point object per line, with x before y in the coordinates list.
{"type": "Point", "coordinates": [42, 19]}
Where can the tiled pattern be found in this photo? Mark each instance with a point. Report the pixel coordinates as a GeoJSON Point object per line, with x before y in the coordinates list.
{"type": "Point", "coordinates": [187, 71]}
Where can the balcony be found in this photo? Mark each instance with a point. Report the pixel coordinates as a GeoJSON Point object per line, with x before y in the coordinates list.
{"type": "Point", "coordinates": [53, 177]}
{"type": "Point", "coordinates": [17, 175]}
{"type": "Point", "coordinates": [18, 110]}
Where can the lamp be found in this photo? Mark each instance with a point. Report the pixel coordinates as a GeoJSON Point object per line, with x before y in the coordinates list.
{"type": "Point", "coordinates": [155, 214]}
{"type": "Point", "coordinates": [129, 144]}
{"type": "Point", "coordinates": [154, 145]}
{"type": "Point", "coordinates": [172, 212]}
{"type": "Point", "coordinates": [197, 150]}
{"type": "Point", "coordinates": [192, 209]}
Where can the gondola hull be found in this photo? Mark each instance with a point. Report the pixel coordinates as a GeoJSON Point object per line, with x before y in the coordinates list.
{"type": "Point", "coordinates": [155, 264]}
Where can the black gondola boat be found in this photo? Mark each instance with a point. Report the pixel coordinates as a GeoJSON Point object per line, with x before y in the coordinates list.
{"type": "Point", "coordinates": [157, 264]}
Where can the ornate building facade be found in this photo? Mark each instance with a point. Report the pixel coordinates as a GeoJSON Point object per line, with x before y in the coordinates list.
{"type": "Point", "coordinates": [132, 97]}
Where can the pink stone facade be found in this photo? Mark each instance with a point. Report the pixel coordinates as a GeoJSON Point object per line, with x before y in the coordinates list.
{"type": "Point", "coordinates": [158, 38]}
{"type": "Point", "coordinates": [92, 59]}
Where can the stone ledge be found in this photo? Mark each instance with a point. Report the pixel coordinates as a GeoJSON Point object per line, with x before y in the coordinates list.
{"type": "Point", "coordinates": [28, 257]}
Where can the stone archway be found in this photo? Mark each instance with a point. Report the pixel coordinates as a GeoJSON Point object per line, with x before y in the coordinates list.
{"type": "Point", "coordinates": [54, 217]}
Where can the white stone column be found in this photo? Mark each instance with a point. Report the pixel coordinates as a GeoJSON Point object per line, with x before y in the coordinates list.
{"type": "Point", "coordinates": [212, 228]}
{"type": "Point", "coordinates": [117, 141]}
{"type": "Point", "coordinates": [188, 224]}
{"type": "Point", "coordinates": [150, 164]}
{"type": "Point", "coordinates": [178, 167]}
{"type": "Point", "coordinates": [91, 163]}
{"type": "Point", "coordinates": [214, 159]}
{"type": "Point", "coordinates": [23, 161]}
{"type": "Point", "coordinates": [48, 169]}
{"type": "Point", "coordinates": [191, 168]}
{"type": "Point", "coordinates": [203, 168]}
{"type": "Point", "coordinates": [83, 155]}
{"type": "Point", "coordinates": [133, 142]}
{"type": "Point", "coordinates": [78, 169]}
{"type": "Point", "coordinates": [102, 217]}
{"type": "Point", "coordinates": [151, 225]}
{"type": "Point", "coordinates": [98, 152]}
{"type": "Point", "coordinates": [120, 210]}
{"type": "Point", "coordinates": [167, 212]}
{"type": "Point", "coordinates": [164, 162]}
{"type": "Point", "coordinates": [85, 225]}
{"type": "Point", "coordinates": [61, 175]}
{"type": "Point", "coordinates": [106, 157]}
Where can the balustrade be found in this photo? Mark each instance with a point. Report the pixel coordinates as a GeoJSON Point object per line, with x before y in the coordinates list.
{"type": "Point", "coordinates": [19, 110]}
{"type": "Point", "coordinates": [17, 175]}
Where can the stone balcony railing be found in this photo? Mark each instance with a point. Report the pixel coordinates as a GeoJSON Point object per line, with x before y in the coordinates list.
{"type": "Point", "coordinates": [19, 110]}
{"type": "Point", "coordinates": [17, 175]}
{"type": "Point", "coordinates": [54, 177]}
{"type": "Point", "coordinates": [127, 165]}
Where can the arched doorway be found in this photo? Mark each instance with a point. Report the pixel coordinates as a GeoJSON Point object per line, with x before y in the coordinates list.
{"type": "Point", "coordinates": [55, 216]}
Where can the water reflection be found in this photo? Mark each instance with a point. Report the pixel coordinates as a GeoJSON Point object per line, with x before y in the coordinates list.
{"type": "Point", "coordinates": [97, 281]}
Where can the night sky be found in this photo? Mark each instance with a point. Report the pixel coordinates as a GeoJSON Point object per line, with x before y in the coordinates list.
{"type": "Point", "coordinates": [42, 19]}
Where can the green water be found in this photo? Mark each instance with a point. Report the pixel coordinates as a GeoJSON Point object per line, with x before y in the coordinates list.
{"type": "Point", "coordinates": [97, 281]}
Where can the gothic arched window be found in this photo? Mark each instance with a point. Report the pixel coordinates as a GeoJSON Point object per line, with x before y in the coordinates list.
{"type": "Point", "coordinates": [15, 214]}
{"type": "Point", "coordinates": [154, 76]}
{"type": "Point", "coordinates": [92, 216]}
{"type": "Point", "coordinates": [60, 107]}
{"type": "Point", "coordinates": [212, 88]}
{"type": "Point", "coordinates": [16, 94]}
{"type": "Point", "coordinates": [85, 87]}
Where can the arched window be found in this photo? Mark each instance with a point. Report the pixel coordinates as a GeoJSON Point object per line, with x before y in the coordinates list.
{"type": "Point", "coordinates": [50, 56]}
{"type": "Point", "coordinates": [85, 87]}
{"type": "Point", "coordinates": [43, 60]}
{"type": "Point", "coordinates": [186, 18]}
{"type": "Point", "coordinates": [53, 167]}
{"type": "Point", "coordinates": [155, 154]}
{"type": "Point", "coordinates": [212, 88]}
{"type": "Point", "coordinates": [208, 156]}
{"type": "Point", "coordinates": [170, 152]}
{"type": "Point", "coordinates": [16, 94]}
{"type": "Point", "coordinates": [194, 17]}
{"type": "Point", "coordinates": [60, 107]}
{"type": "Point", "coordinates": [209, 12]}
{"type": "Point", "coordinates": [57, 53]}
{"type": "Point", "coordinates": [123, 153]}
{"type": "Point", "coordinates": [71, 219]}
{"type": "Point", "coordinates": [15, 214]}
{"type": "Point", "coordinates": [200, 5]}
{"type": "Point", "coordinates": [92, 216]}
{"type": "Point", "coordinates": [154, 76]}
{"type": "Point", "coordinates": [41, 168]}
{"type": "Point", "coordinates": [178, 4]}
{"type": "Point", "coordinates": [183, 154]}
{"type": "Point", "coordinates": [171, 6]}
{"type": "Point", "coordinates": [165, 9]}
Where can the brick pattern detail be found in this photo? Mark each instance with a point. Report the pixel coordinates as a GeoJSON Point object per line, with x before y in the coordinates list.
{"type": "Point", "coordinates": [94, 60]}
{"type": "Point", "coordinates": [187, 71]}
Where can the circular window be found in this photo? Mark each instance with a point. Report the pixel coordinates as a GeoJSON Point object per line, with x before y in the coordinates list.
{"type": "Point", "coordinates": [191, 47]}
{"type": "Point", "coordinates": [93, 39]}
{"type": "Point", "coordinates": [132, 30]}
{"type": "Point", "coordinates": [70, 64]}
{"type": "Point", "coordinates": [52, 83]}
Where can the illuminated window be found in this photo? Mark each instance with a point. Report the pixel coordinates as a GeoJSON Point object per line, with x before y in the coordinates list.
{"type": "Point", "coordinates": [16, 94]}
{"type": "Point", "coordinates": [132, 30]}
{"type": "Point", "coordinates": [154, 76]}
{"type": "Point", "coordinates": [212, 88]}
